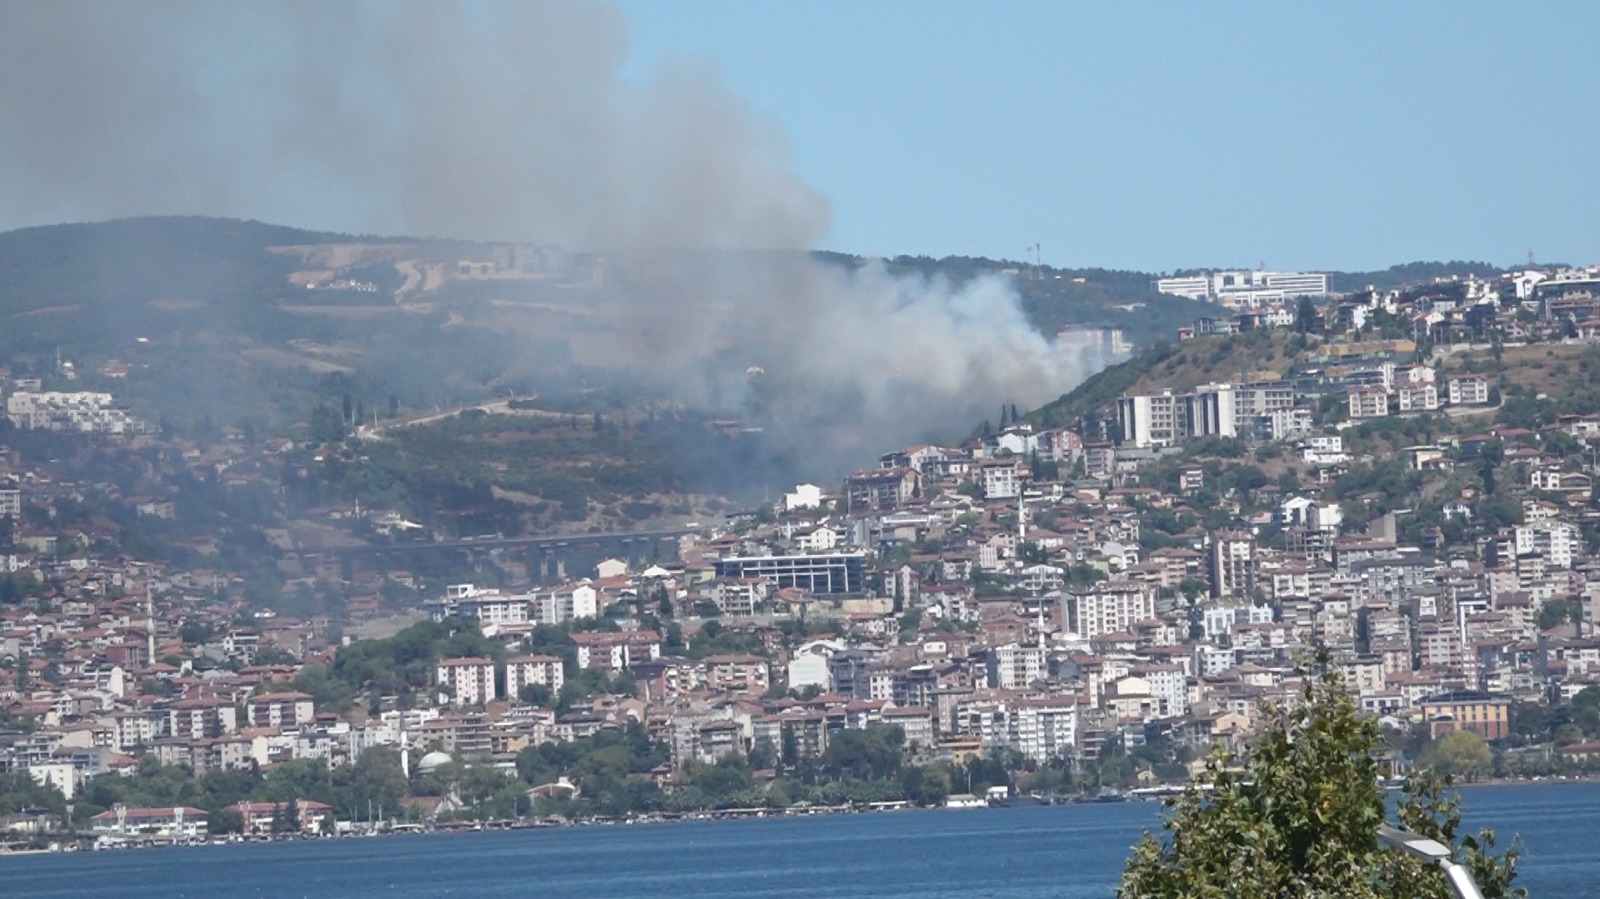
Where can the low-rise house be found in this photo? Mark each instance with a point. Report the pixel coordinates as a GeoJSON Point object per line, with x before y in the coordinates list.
{"type": "Point", "coordinates": [182, 822]}
{"type": "Point", "coordinates": [305, 816]}
{"type": "Point", "coordinates": [737, 673]}
{"type": "Point", "coordinates": [1367, 402]}
{"type": "Point", "coordinates": [1468, 390]}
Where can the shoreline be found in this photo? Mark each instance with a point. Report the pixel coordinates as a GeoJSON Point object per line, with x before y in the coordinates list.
{"type": "Point", "coordinates": [106, 843]}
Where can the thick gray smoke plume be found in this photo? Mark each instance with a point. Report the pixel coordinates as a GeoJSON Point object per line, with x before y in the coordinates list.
{"type": "Point", "coordinates": [488, 121]}
{"type": "Point", "coordinates": [505, 121]}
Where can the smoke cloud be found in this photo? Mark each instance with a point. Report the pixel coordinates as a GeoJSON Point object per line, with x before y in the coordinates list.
{"type": "Point", "coordinates": [499, 122]}
{"type": "Point", "coordinates": [492, 121]}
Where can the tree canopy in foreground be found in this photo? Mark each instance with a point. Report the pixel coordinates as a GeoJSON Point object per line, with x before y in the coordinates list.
{"type": "Point", "coordinates": [1298, 815]}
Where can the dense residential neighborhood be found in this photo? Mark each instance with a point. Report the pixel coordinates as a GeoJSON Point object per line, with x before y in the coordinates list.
{"type": "Point", "coordinates": [1403, 483]}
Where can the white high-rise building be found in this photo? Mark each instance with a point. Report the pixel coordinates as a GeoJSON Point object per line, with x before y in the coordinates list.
{"type": "Point", "coordinates": [1016, 665]}
{"type": "Point", "coordinates": [1232, 563]}
{"type": "Point", "coordinates": [566, 604]}
{"type": "Point", "coordinates": [523, 671]}
{"type": "Point", "coordinates": [1212, 411]}
{"type": "Point", "coordinates": [1190, 287]}
{"type": "Point", "coordinates": [1555, 541]}
{"type": "Point", "coordinates": [1245, 289]}
{"type": "Point", "coordinates": [1107, 608]}
{"type": "Point", "coordinates": [1150, 420]}
{"type": "Point", "coordinates": [1044, 729]}
{"type": "Point", "coordinates": [470, 681]}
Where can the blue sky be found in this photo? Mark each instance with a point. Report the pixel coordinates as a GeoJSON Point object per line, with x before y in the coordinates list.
{"type": "Point", "coordinates": [1164, 135]}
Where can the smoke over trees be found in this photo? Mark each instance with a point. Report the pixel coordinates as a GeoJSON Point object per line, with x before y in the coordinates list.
{"type": "Point", "coordinates": [504, 121]}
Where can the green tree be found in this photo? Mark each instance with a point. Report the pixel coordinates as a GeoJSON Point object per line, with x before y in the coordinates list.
{"type": "Point", "coordinates": [925, 784]}
{"type": "Point", "coordinates": [1567, 734]}
{"type": "Point", "coordinates": [1587, 698]}
{"type": "Point", "coordinates": [286, 818]}
{"type": "Point", "coordinates": [225, 820]}
{"type": "Point", "coordinates": [869, 753]}
{"type": "Point", "coordinates": [1559, 611]}
{"type": "Point", "coordinates": [536, 694]}
{"type": "Point", "coordinates": [19, 791]}
{"type": "Point", "coordinates": [1458, 754]}
{"type": "Point", "coordinates": [1305, 316]}
{"type": "Point", "coordinates": [1298, 816]}
{"type": "Point", "coordinates": [374, 780]}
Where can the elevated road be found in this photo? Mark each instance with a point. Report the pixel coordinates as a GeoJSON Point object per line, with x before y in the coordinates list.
{"type": "Point", "coordinates": [559, 541]}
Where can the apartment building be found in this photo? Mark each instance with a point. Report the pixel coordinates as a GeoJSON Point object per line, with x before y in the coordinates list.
{"type": "Point", "coordinates": [1107, 608]}
{"type": "Point", "coordinates": [534, 670]}
{"type": "Point", "coordinates": [468, 680]}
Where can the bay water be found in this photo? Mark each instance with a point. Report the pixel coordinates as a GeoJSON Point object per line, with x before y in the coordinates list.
{"type": "Point", "coordinates": [1061, 852]}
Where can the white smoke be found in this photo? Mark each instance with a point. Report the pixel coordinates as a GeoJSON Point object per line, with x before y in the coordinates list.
{"type": "Point", "coordinates": [503, 121]}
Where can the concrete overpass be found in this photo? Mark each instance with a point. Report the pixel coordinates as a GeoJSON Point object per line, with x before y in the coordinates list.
{"type": "Point", "coordinates": [470, 544]}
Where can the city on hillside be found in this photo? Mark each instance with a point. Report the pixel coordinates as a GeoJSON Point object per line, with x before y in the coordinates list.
{"type": "Point", "coordinates": [1083, 601]}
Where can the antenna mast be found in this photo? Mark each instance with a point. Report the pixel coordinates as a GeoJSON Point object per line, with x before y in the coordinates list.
{"type": "Point", "coordinates": [149, 623]}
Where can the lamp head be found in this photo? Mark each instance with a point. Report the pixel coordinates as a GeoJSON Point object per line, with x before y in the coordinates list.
{"type": "Point", "coordinates": [1415, 844]}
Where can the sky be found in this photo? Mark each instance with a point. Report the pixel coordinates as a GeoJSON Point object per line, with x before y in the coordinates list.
{"type": "Point", "coordinates": [1136, 135]}
{"type": "Point", "coordinates": [1157, 136]}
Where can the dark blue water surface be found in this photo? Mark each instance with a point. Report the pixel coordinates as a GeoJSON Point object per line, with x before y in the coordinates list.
{"type": "Point", "coordinates": [1019, 853]}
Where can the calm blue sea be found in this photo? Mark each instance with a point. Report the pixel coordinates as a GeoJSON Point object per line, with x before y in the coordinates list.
{"type": "Point", "coordinates": [1021, 853]}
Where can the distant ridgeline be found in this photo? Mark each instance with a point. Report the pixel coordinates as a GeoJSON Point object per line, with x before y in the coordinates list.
{"type": "Point", "coordinates": [202, 327]}
{"type": "Point", "coordinates": [1224, 303]}
{"type": "Point", "coordinates": [202, 322]}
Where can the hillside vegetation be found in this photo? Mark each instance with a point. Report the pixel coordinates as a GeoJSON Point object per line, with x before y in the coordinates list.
{"type": "Point", "coordinates": [1179, 367]}
{"type": "Point", "coordinates": [84, 288]}
{"type": "Point", "coordinates": [479, 473]}
{"type": "Point", "coordinates": [209, 323]}
{"type": "Point", "coordinates": [1396, 276]}
{"type": "Point", "coordinates": [1057, 297]}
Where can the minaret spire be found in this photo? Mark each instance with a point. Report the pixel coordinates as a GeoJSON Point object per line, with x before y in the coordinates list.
{"type": "Point", "coordinates": [149, 624]}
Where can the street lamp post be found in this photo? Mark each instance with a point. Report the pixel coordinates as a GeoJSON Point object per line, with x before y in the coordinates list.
{"type": "Point", "coordinates": [1433, 851]}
